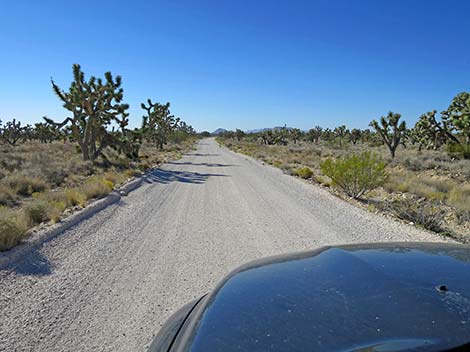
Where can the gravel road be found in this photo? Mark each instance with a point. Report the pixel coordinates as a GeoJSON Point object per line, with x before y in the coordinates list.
{"type": "Point", "coordinates": [110, 282]}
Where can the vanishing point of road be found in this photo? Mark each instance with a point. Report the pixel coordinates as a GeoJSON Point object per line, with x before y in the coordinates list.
{"type": "Point", "coordinates": [109, 283]}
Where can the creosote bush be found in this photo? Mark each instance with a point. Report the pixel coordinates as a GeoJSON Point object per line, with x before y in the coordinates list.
{"type": "Point", "coordinates": [303, 172]}
{"type": "Point", "coordinates": [356, 174]}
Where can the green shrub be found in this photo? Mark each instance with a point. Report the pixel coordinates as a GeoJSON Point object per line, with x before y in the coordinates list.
{"type": "Point", "coordinates": [36, 212]}
{"type": "Point", "coordinates": [461, 151]}
{"type": "Point", "coordinates": [356, 174]}
{"type": "Point", "coordinates": [303, 172]}
{"type": "Point", "coordinates": [12, 229]}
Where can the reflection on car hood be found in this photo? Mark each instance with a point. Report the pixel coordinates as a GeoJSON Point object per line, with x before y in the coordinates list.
{"type": "Point", "coordinates": [367, 298]}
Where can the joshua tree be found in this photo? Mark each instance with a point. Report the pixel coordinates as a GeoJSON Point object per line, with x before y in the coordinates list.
{"type": "Point", "coordinates": [328, 134]}
{"type": "Point", "coordinates": [458, 115]}
{"type": "Point", "coordinates": [366, 136]}
{"type": "Point", "coordinates": [12, 132]}
{"type": "Point", "coordinates": [295, 134]}
{"type": "Point", "coordinates": [355, 135]}
{"type": "Point", "coordinates": [341, 132]}
{"type": "Point", "coordinates": [429, 133]}
{"type": "Point", "coordinates": [185, 128]}
{"type": "Point", "coordinates": [314, 134]}
{"type": "Point", "coordinates": [390, 130]}
{"type": "Point", "coordinates": [46, 133]}
{"type": "Point", "coordinates": [239, 134]}
{"type": "Point", "coordinates": [158, 124]}
{"type": "Point", "coordinates": [95, 104]}
{"type": "Point", "coordinates": [281, 135]}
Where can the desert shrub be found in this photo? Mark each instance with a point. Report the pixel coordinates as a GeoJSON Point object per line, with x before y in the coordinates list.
{"type": "Point", "coordinates": [12, 228]}
{"type": "Point", "coordinates": [96, 187]}
{"type": "Point", "coordinates": [459, 150]}
{"type": "Point", "coordinates": [430, 188]}
{"type": "Point", "coordinates": [130, 173]}
{"type": "Point", "coordinates": [423, 186]}
{"type": "Point", "coordinates": [36, 212]}
{"type": "Point", "coordinates": [303, 172]}
{"type": "Point", "coordinates": [397, 182]}
{"type": "Point", "coordinates": [74, 197]}
{"type": "Point", "coordinates": [112, 176]}
{"type": "Point", "coordinates": [117, 177]}
{"type": "Point", "coordinates": [459, 198]}
{"type": "Point", "coordinates": [24, 185]}
{"type": "Point", "coordinates": [356, 174]}
{"type": "Point", "coordinates": [56, 209]}
{"type": "Point", "coordinates": [7, 196]}
{"type": "Point", "coordinates": [426, 215]}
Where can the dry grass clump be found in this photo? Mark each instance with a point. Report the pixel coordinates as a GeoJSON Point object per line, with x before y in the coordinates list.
{"type": "Point", "coordinates": [53, 163]}
{"type": "Point", "coordinates": [427, 187]}
{"type": "Point", "coordinates": [96, 187]}
{"type": "Point", "coordinates": [36, 212]}
{"type": "Point", "coordinates": [24, 185]}
{"type": "Point", "coordinates": [12, 228]}
{"type": "Point", "coordinates": [428, 216]}
{"type": "Point", "coordinates": [7, 196]}
{"type": "Point", "coordinates": [459, 198]}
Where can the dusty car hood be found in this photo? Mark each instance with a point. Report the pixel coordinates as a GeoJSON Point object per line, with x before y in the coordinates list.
{"type": "Point", "coordinates": [385, 297]}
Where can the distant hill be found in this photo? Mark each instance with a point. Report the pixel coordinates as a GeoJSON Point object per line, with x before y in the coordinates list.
{"type": "Point", "coordinates": [267, 129]}
{"type": "Point", "coordinates": [219, 131]}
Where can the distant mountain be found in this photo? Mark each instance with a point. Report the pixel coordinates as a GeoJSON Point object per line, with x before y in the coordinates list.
{"type": "Point", "coordinates": [219, 131]}
{"type": "Point", "coordinates": [267, 129]}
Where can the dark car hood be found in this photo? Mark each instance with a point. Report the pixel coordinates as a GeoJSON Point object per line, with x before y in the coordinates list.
{"type": "Point", "coordinates": [363, 297]}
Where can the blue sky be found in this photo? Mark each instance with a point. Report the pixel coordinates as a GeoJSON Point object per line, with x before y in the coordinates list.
{"type": "Point", "coordinates": [240, 63]}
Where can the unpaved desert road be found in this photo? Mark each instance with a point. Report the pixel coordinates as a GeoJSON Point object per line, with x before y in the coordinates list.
{"type": "Point", "coordinates": [109, 283]}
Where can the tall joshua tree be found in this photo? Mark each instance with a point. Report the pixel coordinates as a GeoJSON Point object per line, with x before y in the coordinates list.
{"type": "Point", "coordinates": [391, 130]}
{"type": "Point", "coordinates": [314, 134]}
{"type": "Point", "coordinates": [295, 134]}
{"type": "Point", "coordinates": [13, 132]}
{"type": "Point", "coordinates": [239, 134]}
{"type": "Point", "coordinates": [341, 132]}
{"type": "Point", "coordinates": [429, 133]}
{"type": "Point", "coordinates": [458, 115]}
{"type": "Point", "coordinates": [158, 124]}
{"type": "Point", "coordinates": [355, 135]}
{"type": "Point", "coordinates": [95, 104]}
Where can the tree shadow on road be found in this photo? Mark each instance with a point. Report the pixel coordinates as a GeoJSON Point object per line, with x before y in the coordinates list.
{"type": "Point", "coordinates": [199, 164]}
{"type": "Point", "coordinates": [168, 176]}
{"type": "Point", "coordinates": [35, 264]}
{"type": "Point", "coordinates": [200, 154]}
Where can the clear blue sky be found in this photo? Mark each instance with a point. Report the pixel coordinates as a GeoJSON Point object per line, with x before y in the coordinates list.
{"type": "Point", "coordinates": [240, 63]}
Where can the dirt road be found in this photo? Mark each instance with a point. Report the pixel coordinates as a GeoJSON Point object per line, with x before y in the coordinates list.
{"type": "Point", "coordinates": [110, 282]}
